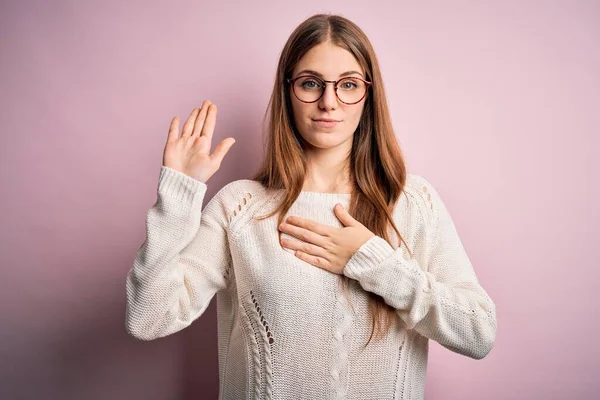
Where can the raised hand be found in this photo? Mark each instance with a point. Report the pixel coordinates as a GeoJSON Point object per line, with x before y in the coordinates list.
{"type": "Point", "coordinates": [189, 153]}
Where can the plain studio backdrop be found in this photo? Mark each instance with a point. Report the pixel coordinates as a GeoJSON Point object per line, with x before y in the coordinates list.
{"type": "Point", "coordinates": [496, 103]}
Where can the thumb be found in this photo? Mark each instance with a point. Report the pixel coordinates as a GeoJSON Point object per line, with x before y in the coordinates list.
{"type": "Point", "coordinates": [222, 149]}
{"type": "Point", "coordinates": [344, 216]}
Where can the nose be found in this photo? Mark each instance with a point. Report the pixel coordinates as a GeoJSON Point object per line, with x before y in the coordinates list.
{"type": "Point", "coordinates": [329, 99]}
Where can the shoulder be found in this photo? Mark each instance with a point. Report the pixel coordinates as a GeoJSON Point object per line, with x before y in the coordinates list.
{"type": "Point", "coordinates": [419, 187]}
{"type": "Point", "coordinates": [242, 190]}
{"type": "Point", "coordinates": [233, 198]}
{"type": "Point", "coordinates": [422, 194]}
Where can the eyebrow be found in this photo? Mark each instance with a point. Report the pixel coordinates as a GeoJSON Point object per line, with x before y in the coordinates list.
{"type": "Point", "coordinates": [310, 71]}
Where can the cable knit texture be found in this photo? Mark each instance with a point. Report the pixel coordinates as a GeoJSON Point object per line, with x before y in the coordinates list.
{"type": "Point", "coordinates": [287, 329]}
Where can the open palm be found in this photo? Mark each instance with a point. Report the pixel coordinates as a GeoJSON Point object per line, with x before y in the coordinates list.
{"type": "Point", "coordinates": [189, 152]}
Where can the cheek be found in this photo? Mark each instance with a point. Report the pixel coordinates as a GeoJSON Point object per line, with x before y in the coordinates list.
{"type": "Point", "coordinates": [301, 112]}
{"type": "Point", "coordinates": [355, 115]}
{"type": "Point", "coordinates": [352, 119]}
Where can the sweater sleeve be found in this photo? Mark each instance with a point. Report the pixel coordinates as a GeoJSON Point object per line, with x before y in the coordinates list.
{"type": "Point", "coordinates": [442, 300]}
{"type": "Point", "coordinates": [183, 261]}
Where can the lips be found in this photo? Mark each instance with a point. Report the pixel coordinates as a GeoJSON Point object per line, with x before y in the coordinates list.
{"type": "Point", "coordinates": [326, 122]}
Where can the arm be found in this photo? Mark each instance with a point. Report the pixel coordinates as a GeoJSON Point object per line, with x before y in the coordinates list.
{"type": "Point", "coordinates": [182, 263]}
{"type": "Point", "coordinates": [442, 300]}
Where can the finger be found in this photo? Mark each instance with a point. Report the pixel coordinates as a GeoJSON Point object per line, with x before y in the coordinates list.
{"type": "Point", "coordinates": [304, 235]}
{"type": "Point", "coordinates": [304, 247]}
{"type": "Point", "coordinates": [316, 261]}
{"type": "Point", "coordinates": [309, 224]}
{"type": "Point", "coordinates": [189, 123]}
{"type": "Point", "coordinates": [201, 117]}
{"type": "Point", "coordinates": [221, 150]}
{"type": "Point", "coordinates": [209, 124]}
{"type": "Point", "coordinates": [173, 130]}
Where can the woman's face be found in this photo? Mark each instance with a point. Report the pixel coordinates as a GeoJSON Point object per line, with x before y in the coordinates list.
{"type": "Point", "coordinates": [331, 63]}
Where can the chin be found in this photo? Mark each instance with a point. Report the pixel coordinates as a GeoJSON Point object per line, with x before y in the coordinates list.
{"type": "Point", "coordinates": [326, 139]}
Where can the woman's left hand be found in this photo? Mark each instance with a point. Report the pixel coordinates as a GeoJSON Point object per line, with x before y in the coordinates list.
{"type": "Point", "coordinates": [325, 246]}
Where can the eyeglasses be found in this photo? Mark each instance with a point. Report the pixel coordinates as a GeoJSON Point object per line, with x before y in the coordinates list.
{"type": "Point", "coordinates": [309, 88]}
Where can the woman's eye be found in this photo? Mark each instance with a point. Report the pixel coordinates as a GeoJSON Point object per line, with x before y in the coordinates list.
{"type": "Point", "coordinates": [349, 85]}
{"type": "Point", "coordinates": [310, 84]}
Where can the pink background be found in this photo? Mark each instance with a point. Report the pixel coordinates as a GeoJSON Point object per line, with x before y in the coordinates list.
{"type": "Point", "coordinates": [497, 104]}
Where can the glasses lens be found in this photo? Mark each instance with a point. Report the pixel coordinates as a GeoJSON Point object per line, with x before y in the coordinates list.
{"type": "Point", "coordinates": [351, 90]}
{"type": "Point", "coordinates": [310, 88]}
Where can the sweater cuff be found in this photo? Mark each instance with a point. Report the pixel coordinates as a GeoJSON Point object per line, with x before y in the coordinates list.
{"type": "Point", "coordinates": [180, 186]}
{"type": "Point", "coordinates": [370, 255]}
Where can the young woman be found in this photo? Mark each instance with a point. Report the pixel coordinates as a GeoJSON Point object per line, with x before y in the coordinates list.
{"type": "Point", "coordinates": [334, 266]}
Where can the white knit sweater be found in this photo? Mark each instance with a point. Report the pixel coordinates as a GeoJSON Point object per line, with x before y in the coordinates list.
{"type": "Point", "coordinates": [285, 328]}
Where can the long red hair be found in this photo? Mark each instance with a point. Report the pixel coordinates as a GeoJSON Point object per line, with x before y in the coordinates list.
{"type": "Point", "coordinates": [376, 164]}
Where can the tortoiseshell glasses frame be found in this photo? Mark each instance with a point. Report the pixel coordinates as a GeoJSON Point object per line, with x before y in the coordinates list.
{"type": "Point", "coordinates": [323, 84]}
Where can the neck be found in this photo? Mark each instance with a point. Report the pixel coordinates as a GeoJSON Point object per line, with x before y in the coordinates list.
{"type": "Point", "coordinates": [326, 176]}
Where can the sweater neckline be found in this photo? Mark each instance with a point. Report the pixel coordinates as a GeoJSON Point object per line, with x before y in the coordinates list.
{"type": "Point", "coordinates": [307, 193]}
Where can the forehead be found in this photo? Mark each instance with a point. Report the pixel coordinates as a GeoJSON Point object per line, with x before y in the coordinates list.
{"type": "Point", "coordinates": [329, 60]}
